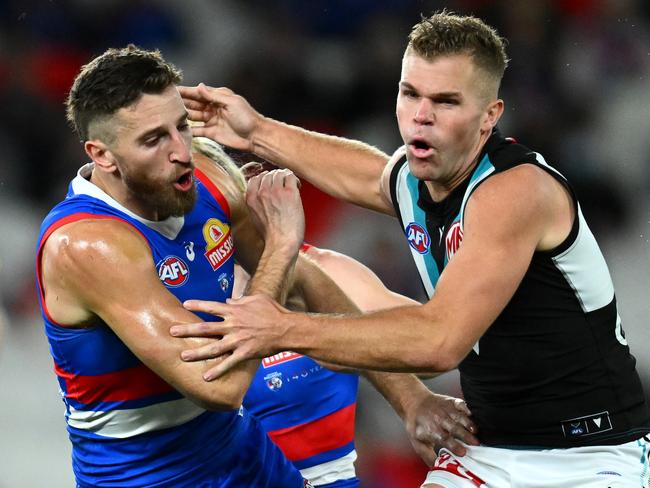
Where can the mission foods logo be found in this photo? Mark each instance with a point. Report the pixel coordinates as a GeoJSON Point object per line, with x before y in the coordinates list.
{"type": "Point", "coordinates": [453, 239]}
{"type": "Point", "coordinates": [173, 271]}
{"type": "Point", "coordinates": [418, 237]}
{"type": "Point", "coordinates": [219, 245]}
{"type": "Point", "coordinates": [282, 357]}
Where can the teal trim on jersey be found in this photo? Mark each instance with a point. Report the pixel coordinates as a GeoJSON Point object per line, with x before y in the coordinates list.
{"type": "Point", "coordinates": [644, 462]}
{"type": "Point", "coordinates": [421, 218]}
{"type": "Point", "coordinates": [484, 166]}
{"type": "Point", "coordinates": [482, 171]}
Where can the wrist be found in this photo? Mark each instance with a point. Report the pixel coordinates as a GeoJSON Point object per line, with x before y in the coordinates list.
{"type": "Point", "coordinates": [259, 136]}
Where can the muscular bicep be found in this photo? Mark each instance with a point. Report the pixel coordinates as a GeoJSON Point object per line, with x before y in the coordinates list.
{"type": "Point", "coordinates": [504, 223]}
{"type": "Point", "coordinates": [357, 281]}
{"type": "Point", "coordinates": [110, 275]}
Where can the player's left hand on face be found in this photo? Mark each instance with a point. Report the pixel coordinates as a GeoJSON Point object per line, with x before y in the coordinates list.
{"type": "Point", "coordinates": [438, 421]}
{"type": "Point", "coordinates": [273, 198]}
{"type": "Point", "coordinates": [251, 326]}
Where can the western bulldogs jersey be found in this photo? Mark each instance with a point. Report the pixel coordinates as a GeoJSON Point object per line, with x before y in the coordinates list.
{"type": "Point", "coordinates": [554, 369]}
{"type": "Point", "coordinates": [308, 411]}
{"type": "Point", "coordinates": [128, 427]}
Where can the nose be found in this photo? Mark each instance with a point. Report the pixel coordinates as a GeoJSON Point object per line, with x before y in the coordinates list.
{"type": "Point", "coordinates": [181, 148]}
{"type": "Point", "coordinates": [424, 113]}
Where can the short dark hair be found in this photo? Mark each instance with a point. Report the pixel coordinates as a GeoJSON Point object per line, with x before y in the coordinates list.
{"type": "Point", "coordinates": [114, 80]}
{"type": "Point", "coordinates": [445, 33]}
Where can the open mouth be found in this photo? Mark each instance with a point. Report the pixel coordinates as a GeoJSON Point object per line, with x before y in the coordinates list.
{"type": "Point", "coordinates": [185, 182]}
{"type": "Point", "coordinates": [420, 148]}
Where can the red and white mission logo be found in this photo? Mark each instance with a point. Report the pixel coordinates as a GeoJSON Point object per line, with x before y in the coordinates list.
{"type": "Point", "coordinates": [173, 271]}
{"type": "Point", "coordinates": [453, 239]}
{"type": "Point", "coordinates": [418, 237]}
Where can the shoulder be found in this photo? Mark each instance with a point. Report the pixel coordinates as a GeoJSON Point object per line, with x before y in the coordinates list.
{"type": "Point", "coordinates": [389, 175]}
{"type": "Point", "coordinates": [88, 243]}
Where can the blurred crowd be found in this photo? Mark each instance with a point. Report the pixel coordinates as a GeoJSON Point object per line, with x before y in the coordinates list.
{"type": "Point", "coordinates": [577, 89]}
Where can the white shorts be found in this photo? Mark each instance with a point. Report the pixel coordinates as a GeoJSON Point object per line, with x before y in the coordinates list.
{"type": "Point", "coordinates": [621, 466]}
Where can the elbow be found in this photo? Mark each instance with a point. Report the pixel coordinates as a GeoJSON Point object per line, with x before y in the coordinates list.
{"type": "Point", "coordinates": [436, 359]}
{"type": "Point", "coordinates": [219, 400]}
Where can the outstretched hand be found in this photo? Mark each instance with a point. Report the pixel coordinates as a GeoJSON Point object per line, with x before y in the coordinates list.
{"type": "Point", "coordinates": [227, 117]}
{"type": "Point", "coordinates": [251, 327]}
{"type": "Point", "coordinates": [439, 421]}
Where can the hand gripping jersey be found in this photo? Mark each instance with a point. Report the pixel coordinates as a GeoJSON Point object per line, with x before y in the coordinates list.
{"type": "Point", "coordinates": [308, 411]}
{"type": "Point", "coordinates": [554, 369]}
{"type": "Point", "coordinates": [127, 426]}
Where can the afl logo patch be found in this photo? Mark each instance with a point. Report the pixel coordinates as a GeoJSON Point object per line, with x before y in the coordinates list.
{"type": "Point", "coordinates": [418, 237]}
{"type": "Point", "coordinates": [173, 271]}
{"type": "Point", "coordinates": [453, 240]}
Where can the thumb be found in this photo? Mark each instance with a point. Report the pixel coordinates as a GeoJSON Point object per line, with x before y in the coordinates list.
{"type": "Point", "coordinates": [200, 131]}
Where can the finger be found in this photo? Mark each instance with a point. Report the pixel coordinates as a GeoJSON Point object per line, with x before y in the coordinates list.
{"type": "Point", "coordinates": [454, 446]}
{"type": "Point", "coordinates": [459, 431]}
{"type": "Point", "coordinates": [462, 406]}
{"type": "Point", "coordinates": [190, 93]}
{"type": "Point", "coordinates": [251, 169]}
{"type": "Point", "coordinates": [215, 308]}
{"type": "Point", "coordinates": [213, 349]}
{"type": "Point", "coordinates": [464, 420]}
{"type": "Point", "coordinates": [244, 299]}
{"type": "Point", "coordinates": [198, 115]}
{"type": "Point", "coordinates": [224, 366]}
{"type": "Point", "coordinates": [200, 131]}
{"type": "Point", "coordinates": [198, 329]}
{"type": "Point", "coordinates": [197, 105]}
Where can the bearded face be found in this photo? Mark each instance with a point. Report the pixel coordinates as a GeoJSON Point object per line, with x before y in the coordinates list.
{"type": "Point", "coordinates": [161, 195]}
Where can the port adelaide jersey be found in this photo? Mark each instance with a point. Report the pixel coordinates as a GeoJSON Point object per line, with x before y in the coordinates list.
{"type": "Point", "coordinates": [554, 369]}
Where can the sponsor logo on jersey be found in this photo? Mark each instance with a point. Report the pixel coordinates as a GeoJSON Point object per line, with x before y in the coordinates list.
{"type": "Point", "coordinates": [453, 239]}
{"type": "Point", "coordinates": [273, 381]}
{"type": "Point", "coordinates": [418, 237]}
{"type": "Point", "coordinates": [219, 244]}
{"type": "Point", "coordinates": [280, 358]}
{"type": "Point", "coordinates": [173, 271]}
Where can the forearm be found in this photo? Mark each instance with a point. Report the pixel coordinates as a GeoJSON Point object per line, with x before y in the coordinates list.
{"type": "Point", "coordinates": [401, 390]}
{"type": "Point", "coordinates": [404, 339]}
{"type": "Point", "coordinates": [319, 292]}
{"type": "Point", "coordinates": [346, 169]}
{"type": "Point", "coordinates": [271, 278]}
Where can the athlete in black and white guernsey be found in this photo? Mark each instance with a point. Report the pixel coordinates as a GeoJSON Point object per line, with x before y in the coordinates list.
{"type": "Point", "coordinates": [520, 296]}
{"type": "Point", "coordinates": [581, 387]}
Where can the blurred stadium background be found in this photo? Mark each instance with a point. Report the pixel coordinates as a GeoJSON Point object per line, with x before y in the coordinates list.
{"type": "Point", "coordinates": [577, 90]}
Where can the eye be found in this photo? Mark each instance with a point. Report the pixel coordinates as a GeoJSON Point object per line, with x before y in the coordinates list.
{"type": "Point", "coordinates": [183, 127]}
{"type": "Point", "coordinates": [152, 141]}
{"type": "Point", "coordinates": [408, 93]}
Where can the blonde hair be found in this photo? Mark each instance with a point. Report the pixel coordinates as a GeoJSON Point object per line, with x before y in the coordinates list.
{"type": "Point", "coordinates": [445, 33]}
{"type": "Point", "coordinates": [214, 151]}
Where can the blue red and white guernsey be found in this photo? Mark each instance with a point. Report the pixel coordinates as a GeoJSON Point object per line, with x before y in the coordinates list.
{"type": "Point", "coordinates": [308, 411]}
{"type": "Point", "coordinates": [127, 426]}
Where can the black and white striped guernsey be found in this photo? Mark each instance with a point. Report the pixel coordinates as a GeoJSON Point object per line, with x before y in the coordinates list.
{"type": "Point", "coordinates": [554, 369]}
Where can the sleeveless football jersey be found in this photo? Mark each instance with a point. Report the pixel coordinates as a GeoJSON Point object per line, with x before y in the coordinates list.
{"type": "Point", "coordinates": [127, 426]}
{"type": "Point", "coordinates": [554, 369]}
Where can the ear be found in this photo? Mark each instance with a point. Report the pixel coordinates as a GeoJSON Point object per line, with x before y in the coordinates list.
{"type": "Point", "coordinates": [492, 115]}
{"type": "Point", "coordinates": [101, 155]}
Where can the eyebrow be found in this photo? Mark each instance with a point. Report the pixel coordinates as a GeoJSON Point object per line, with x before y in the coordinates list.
{"type": "Point", "coordinates": [160, 129]}
{"type": "Point", "coordinates": [451, 94]}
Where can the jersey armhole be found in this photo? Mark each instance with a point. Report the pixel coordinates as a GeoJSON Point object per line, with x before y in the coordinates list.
{"type": "Point", "coordinates": [50, 230]}
{"type": "Point", "coordinates": [213, 190]}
